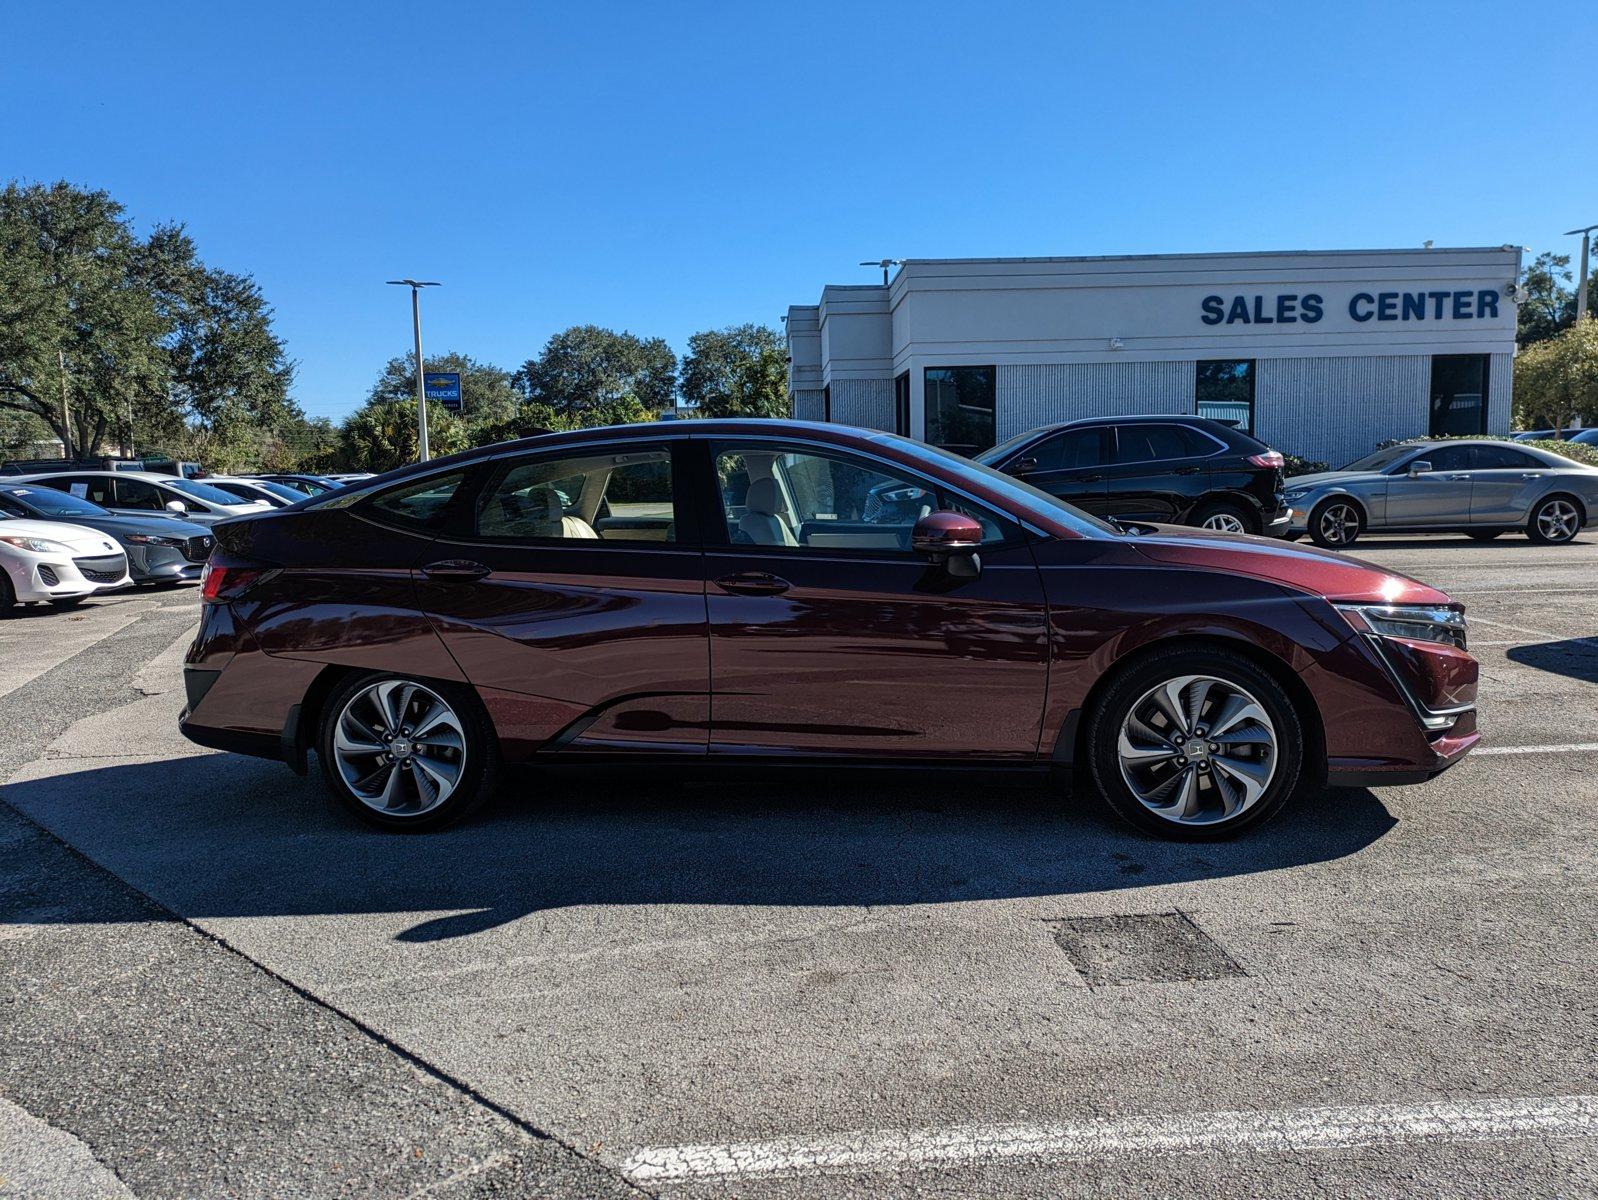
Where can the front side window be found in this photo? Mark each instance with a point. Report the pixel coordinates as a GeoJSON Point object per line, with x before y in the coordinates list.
{"type": "Point", "coordinates": [960, 408]}
{"type": "Point", "coordinates": [612, 497]}
{"type": "Point", "coordinates": [1224, 392]}
{"type": "Point", "coordinates": [1445, 458]}
{"type": "Point", "coordinates": [135, 493]}
{"type": "Point", "coordinates": [809, 499]}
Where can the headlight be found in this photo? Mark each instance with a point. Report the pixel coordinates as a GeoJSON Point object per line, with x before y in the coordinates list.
{"type": "Point", "coordinates": [1296, 495]}
{"type": "Point", "coordinates": [151, 539]}
{"type": "Point", "coordinates": [36, 545]}
{"type": "Point", "coordinates": [1419, 623]}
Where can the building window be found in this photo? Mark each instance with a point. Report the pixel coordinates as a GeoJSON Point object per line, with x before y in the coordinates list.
{"type": "Point", "coordinates": [959, 408]}
{"type": "Point", "coordinates": [1459, 394]}
{"type": "Point", "coordinates": [901, 403]}
{"type": "Point", "coordinates": [1224, 392]}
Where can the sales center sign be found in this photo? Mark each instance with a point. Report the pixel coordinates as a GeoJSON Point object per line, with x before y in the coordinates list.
{"type": "Point", "coordinates": [1309, 307]}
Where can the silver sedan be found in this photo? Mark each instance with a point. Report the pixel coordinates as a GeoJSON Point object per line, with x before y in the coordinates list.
{"type": "Point", "coordinates": [1481, 488]}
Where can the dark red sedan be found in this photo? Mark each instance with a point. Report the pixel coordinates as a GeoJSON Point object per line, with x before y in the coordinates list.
{"type": "Point", "coordinates": [716, 592]}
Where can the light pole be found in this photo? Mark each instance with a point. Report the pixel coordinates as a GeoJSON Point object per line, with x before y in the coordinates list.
{"type": "Point", "coordinates": [884, 263]}
{"type": "Point", "coordinates": [416, 286]}
{"type": "Point", "coordinates": [1581, 287]}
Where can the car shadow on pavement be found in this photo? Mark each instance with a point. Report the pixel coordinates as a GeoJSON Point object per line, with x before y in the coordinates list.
{"type": "Point", "coordinates": [1575, 657]}
{"type": "Point", "coordinates": [221, 836]}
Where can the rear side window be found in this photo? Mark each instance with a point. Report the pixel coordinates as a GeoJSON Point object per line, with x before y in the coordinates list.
{"type": "Point", "coordinates": [94, 488]}
{"type": "Point", "coordinates": [420, 503]}
{"type": "Point", "coordinates": [591, 497]}
{"type": "Point", "coordinates": [1150, 443]}
{"type": "Point", "coordinates": [1502, 458]}
{"type": "Point", "coordinates": [135, 493]}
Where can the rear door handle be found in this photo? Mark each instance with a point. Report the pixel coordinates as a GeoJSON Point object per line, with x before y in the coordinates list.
{"type": "Point", "coordinates": [1187, 470]}
{"type": "Point", "coordinates": [455, 570]}
{"type": "Point", "coordinates": [1092, 479]}
{"type": "Point", "coordinates": [753, 583]}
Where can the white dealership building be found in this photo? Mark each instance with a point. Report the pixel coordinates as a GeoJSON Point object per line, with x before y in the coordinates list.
{"type": "Point", "coordinates": [1320, 353]}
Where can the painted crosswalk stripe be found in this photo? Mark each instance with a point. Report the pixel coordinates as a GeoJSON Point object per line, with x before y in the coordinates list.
{"type": "Point", "coordinates": [1198, 1133]}
{"type": "Point", "coordinates": [1557, 748]}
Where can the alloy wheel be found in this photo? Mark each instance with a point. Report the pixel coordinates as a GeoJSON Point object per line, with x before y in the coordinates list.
{"type": "Point", "coordinates": [1339, 524]}
{"type": "Point", "coordinates": [399, 747]}
{"type": "Point", "coordinates": [1196, 749]}
{"type": "Point", "coordinates": [1225, 522]}
{"type": "Point", "coordinates": [1557, 521]}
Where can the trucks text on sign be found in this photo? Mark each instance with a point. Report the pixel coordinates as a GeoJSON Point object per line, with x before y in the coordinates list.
{"type": "Point", "coordinates": [1307, 308]}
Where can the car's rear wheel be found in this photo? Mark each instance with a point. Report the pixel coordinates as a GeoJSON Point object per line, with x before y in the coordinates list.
{"type": "Point", "coordinates": [1195, 745]}
{"type": "Point", "coordinates": [1336, 523]}
{"type": "Point", "coordinates": [1223, 518]}
{"type": "Point", "coordinates": [1555, 520]}
{"type": "Point", "coordinates": [406, 754]}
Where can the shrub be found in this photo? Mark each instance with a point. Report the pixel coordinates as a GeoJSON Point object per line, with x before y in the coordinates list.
{"type": "Point", "coordinates": [1297, 465]}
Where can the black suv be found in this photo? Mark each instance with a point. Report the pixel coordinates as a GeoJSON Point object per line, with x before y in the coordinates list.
{"type": "Point", "coordinates": [1179, 470]}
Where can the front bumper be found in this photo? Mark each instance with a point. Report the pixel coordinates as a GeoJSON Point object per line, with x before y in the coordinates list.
{"type": "Point", "coordinates": [164, 564]}
{"type": "Point", "coordinates": [60, 577]}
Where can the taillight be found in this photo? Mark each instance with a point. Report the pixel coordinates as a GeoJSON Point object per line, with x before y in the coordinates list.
{"type": "Point", "coordinates": [220, 584]}
{"type": "Point", "coordinates": [1271, 458]}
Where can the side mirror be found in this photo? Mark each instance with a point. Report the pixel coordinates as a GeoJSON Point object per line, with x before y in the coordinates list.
{"type": "Point", "coordinates": [950, 539]}
{"type": "Point", "coordinates": [1023, 466]}
{"type": "Point", "coordinates": [1420, 466]}
{"type": "Point", "coordinates": [177, 508]}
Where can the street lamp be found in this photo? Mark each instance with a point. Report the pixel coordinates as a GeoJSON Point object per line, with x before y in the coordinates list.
{"type": "Point", "coordinates": [416, 286]}
{"type": "Point", "coordinates": [884, 263]}
{"type": "Point", "coordinates": [1581, 287]}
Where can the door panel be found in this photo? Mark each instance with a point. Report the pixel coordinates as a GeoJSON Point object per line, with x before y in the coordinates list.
{"type": "Point", "coordinates": [1440, 496]}
{"type": "Point", "coordinates": [1153, 477]}
{"type": "Point", "coordinates": [831, 638]}
{"type": "Point", "coordinates": [1069, 465]}
{"type": "Point", "coordinates": [580, 639]}
{"type": "Point", "coordinates": [876, 656]}
{"type": "Point", "coordinates": [1503, 485]}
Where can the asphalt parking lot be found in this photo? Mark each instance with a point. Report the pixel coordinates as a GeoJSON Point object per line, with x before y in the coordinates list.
{"type": "Point", "coordinates": [216, 983]}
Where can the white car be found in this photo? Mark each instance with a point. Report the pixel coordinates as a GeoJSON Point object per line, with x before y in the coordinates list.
{"type": "Point", "coordinates": [58, 563]}
{"type": "Point", "coordinates": [136, 493]}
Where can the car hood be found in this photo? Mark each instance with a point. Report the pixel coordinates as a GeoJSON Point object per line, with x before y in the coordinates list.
{"type": "Point", "coordinates": [1321, 478]}
{"type": "Point", "coordinates": [155, 526]}
{"type": "Point", "coordinates": [80, 539]}
{"type": "Point", "coordinates": [1306, 568]}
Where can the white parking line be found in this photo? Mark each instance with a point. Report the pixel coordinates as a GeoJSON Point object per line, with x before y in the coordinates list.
{"type": "Point", "coordinates": [1197, 1133]}
{"type": "Point", "coordinates": [1556, 748]}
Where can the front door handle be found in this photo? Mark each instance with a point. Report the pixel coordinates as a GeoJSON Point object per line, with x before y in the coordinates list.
{"type": "Point", "coordinates": [1092, 479]}
{"type": "Point", "coordinates": [455, 570]}
{"type": "Point", "coordinates": [753, 583]}
{"type": "Point", "coordinates": [1187, 470]}
{"type": "Point", "coordinates": [1456, 478]}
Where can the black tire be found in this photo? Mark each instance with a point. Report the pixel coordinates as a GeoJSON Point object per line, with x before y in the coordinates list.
{"type": "Point", "coordinates": [8, 598]}
{"type": "Point", "coordinates": [67, 601]}
{"type": "Point", "coordinates": [1336, 535]}
{"type": "Point", "coordinates": [1129, 689]}
{"type": "Point", "coordinates": [1221, 511]}
{"type": "Point", "coordinates": [1482, 535]}
{"type": "Point", "coordinates": [1538, 525]}
{"type": "Point", "coordinates": [478, 756]}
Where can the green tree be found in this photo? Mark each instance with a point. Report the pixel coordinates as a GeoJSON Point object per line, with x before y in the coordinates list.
{"type": "Point", "coordinates": [488, 399]}
{"type": "Point", "coordinates": [587, 376]}
{"type": "Point", "coordinates": [1550, 305]}
{"type": "Point", "coordinates": [758, 388]}
{"type": "Point", "coordinates": [382, 435]}
{"type": "Point", "coordinates": [141, 334]}
{"type": "Point", "coordinates": [713, 368]}
{"type": "Point", "coordinates": [1556, 380]}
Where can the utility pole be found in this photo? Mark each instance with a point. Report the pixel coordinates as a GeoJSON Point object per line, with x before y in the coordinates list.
{"type": "Point", "coordinates": [1581, 287]}
{"type": "Point", "coordinates": [66, 415]}
{"type": "Point", "coordinates": [416, 286]}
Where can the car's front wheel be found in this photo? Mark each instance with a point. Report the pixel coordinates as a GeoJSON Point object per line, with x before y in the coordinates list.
{"type": "Point", "coordinates": [1336, 523]}
{"type": "Point", "coordinates": [1195, 745]}
{"type": "Point", "coordinates": [406, 754]}
{"type": "Point", "coordinates": [1554, 521]}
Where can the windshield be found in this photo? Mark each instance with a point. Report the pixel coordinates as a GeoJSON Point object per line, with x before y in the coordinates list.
{"type": "Point", "coordinates": [204, 491]}
{"type": "Point", "coordinates": [1017, 489]}
{"type": "Point", "coordinates": [51, 503]}
{"type": "Point", "coordinates": [1002, 451]}
{"type": "Point", "coordinates": [1381, 459]}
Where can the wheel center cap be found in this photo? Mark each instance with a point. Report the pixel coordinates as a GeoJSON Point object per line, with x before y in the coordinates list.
{"type": "Point", "coordinates": [1198, 749]}
{"type": "Point", "coordinates": [400, 747]}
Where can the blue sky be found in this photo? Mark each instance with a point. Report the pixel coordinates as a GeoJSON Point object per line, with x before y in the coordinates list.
{"type": "Point", "coordinates": [665, 168]}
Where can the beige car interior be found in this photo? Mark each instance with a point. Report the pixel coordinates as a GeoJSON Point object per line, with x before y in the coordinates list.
{"type": "Point", "coordinates": [773, 516]}
{"type": "Point", "coordinates": [528, 503]}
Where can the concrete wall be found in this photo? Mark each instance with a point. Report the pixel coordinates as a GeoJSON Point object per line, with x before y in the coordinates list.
{"type": "Point", "coordinates": [807, 404]}
{"type": "Point", "coordinates": [1029, 396]}
{"type": "Point", "coordinates": [864, 402]}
